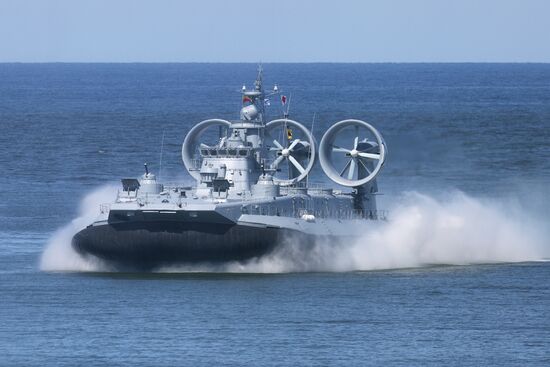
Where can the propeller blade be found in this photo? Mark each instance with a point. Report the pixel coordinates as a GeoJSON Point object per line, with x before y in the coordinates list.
{"type": "Point", "coordinates": [355, 142]}
{"type": "Point", "coordinates": [278, 145]}
{"type": "Point", "coordinates": [364, 165]}
{"type": "Point", "coordinates": [345, 168]}
{"type": "Point", "coordinates": [340, 150]}
{"type": "Point", "coordinates": [293, 144]}
{"type": "Point", "coordinates": [277, 161]}
{"type": "Point", "coordinates": [369, 155]}
{"type": "Point", "coordinates": [296, 164]}
{"type": "Point", "coordinates": [351, 171]}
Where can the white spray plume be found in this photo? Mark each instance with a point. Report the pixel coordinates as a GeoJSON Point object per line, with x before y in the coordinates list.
{"type": "Point", "coordinates": [459, 231]}
{"type": "Point", "coordinates": [58, 254]}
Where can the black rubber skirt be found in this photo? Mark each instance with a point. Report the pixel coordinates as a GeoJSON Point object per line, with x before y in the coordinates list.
{"type": "Point", "coordinates": [152, 244]}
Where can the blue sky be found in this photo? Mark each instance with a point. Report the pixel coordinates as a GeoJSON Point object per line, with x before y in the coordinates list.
{"type": "Point", "coordinates": [274, 31]}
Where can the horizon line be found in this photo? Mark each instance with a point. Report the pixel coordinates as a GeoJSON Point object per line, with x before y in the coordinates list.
{"type": "Point", "coordinates": [275, 62]}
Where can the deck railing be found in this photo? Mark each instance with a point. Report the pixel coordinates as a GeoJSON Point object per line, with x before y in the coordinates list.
{"type": "Point", "coordinates": [322, 213]}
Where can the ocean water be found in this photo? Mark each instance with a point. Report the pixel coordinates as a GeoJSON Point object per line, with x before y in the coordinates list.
{"type": "Point", "coordinates": [458, 276]}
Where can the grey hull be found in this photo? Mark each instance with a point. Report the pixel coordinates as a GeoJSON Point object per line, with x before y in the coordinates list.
{"type": "Point", "coordinates": [146, 245]}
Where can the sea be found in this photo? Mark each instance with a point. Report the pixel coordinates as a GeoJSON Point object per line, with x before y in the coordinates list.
{"type": "Point", "coordinates": [459, 275]}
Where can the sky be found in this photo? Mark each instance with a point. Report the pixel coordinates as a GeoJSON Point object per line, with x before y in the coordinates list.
{"type": "Point", "coordinates": [275, 31]}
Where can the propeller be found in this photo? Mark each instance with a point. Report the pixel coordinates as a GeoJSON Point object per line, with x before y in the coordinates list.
{"type": "Point", "coordinates": [299, 154]}
{"type": "Point", "coordinates": [363, 157]}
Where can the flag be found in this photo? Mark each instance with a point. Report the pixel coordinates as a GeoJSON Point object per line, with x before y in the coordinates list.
{"type": "Point", "coordinates": [289, 134]}
{"type": "Point", "coordinates": [283, 100]}
{"type": "Point", "coordinates": [247, 99]}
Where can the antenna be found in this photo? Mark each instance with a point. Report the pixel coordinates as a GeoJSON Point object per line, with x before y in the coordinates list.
{"type": "Point", "coordinates": [258, 82]}
{"type": "Point", "coordinates": [287, 103]}
{"type": "Point", "coordinates": [288, 106]}
{"type": "Point", "coordinates": [161, 149]}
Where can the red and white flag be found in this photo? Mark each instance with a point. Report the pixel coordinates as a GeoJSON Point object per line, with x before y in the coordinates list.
{"type": "Point", "coordinates": [283, 100]}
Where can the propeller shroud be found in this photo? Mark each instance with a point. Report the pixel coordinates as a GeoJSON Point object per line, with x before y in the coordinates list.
{"type": "Point", "coordinates": [366, 157]}
{"type": "Point", "coordinates": [192, 141]}
{"type": "Point", "coordinates": [291, 150]}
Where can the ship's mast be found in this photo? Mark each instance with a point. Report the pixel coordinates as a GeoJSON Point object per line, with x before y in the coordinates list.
{"type": "Point", "coordinates": [254, 101]}
{"type": "Point", "coordinates": [258, 87]}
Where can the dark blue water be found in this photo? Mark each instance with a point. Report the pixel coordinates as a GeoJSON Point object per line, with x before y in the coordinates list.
{"type": "Point", "coordinates": [481, 129]}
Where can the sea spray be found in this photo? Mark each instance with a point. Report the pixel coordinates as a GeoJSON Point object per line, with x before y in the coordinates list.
{"type": "Point", "coordinates": [58, 254]}
{"type": "Point", "coordinates": [458, 230]}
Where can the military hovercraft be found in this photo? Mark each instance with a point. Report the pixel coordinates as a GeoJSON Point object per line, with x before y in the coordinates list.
{"type": "Point", "coordinates": [252, 192]}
